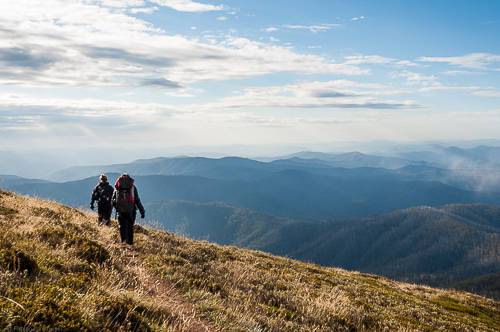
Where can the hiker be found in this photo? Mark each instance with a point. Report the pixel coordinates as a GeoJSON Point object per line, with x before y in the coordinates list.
{"type": "Point", "coordinates": [126, 202]}
{"type": "Point", "coordinates": [102, 194]}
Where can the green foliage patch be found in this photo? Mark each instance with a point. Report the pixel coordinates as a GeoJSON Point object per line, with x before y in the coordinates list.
{"type": "Point", "coordinates": [489, 317]}
{"type": "Point", "coordinates": [41, 306]}
{"type": "Point", "coordinates": [122, 313]}
{"type": "Point", "coordinates": [89, 250]}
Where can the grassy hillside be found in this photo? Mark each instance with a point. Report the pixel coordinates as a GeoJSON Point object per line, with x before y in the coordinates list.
{"type": "Point", "coordinates": [437, 246]}
{"type": "Point", "coordinates": [487, 284]}
{"type": "Point", "coordinates": [59, 269]}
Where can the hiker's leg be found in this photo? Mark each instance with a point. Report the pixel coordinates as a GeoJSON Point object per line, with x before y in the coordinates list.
{"type": "Point", "coordinates": [131, 234]}
{"type": "Point", "coordinates": [130, 231]}
{"type": "Point", "coordinates": [107, 215]}
{"type": "Point", "coordinates": [122, 220]}
{"type": "Point", "coordinates": [101, 212]}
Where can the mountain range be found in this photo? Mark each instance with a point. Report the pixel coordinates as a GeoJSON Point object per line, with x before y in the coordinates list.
{"type": "Point", "coordinates": [316, 194]}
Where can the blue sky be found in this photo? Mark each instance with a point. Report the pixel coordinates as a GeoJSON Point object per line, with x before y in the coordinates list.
{"type": "Point", "coordinates": [210, 73]}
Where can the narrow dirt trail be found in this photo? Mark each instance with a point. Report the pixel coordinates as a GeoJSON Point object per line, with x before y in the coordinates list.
{"type": "Point", "coordinates": [164, 293]}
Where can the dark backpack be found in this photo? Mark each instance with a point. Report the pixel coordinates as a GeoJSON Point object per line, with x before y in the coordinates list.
{"type": "Point", "coordinates": [125, 201]}
{"type": "Point", "coordinates": [105, 193]}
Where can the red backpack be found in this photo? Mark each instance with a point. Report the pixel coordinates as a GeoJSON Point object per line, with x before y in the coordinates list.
{"type": "Point", "coordinates": [125, 200]}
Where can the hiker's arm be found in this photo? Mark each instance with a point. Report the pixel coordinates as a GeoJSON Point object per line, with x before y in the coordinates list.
{"type": "Point", "coordinates": [138, 203]}
{"type": "Point", "coordinates": [113, 199]}
{"type": "Point", "coordinates": [94, 198]}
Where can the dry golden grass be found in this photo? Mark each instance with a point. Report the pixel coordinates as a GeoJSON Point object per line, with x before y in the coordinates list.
{"type": "Point", "coordinates": [58, 268]}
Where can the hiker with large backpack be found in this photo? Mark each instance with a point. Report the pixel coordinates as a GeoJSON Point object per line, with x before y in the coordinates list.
{"type": "Point", "coordinates": [102, 194]}
{"type": "Point", "coordinates": [126, 201]}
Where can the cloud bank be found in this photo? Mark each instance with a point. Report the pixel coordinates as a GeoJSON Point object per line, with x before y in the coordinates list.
{"type": "Point", "coordinates": [92, 43]}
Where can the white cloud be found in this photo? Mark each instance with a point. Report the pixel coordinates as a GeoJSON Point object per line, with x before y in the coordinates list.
{"type": "Point", "coordinates": [58, 42]}
{"type": "Point", "coordinates": [76, 118]}
{"type": "Point", "coordinates": [188, 5]}
{"type": "Point", "coordinates": [416, 78]}
{"type": "Point", "coordinates": [459, 72]}
{"type": "Point", "coordinates": [337, 94]}
{"type": "Point", "coordinates": [104, 123]}
{"type": "Point", "coordinates": [40, 123]}
{"type": "Point", "coordinates": [480, 61]}
{"type": "Point", "coordinates": [312, 28]}
{"type": "Point", "coordinates": [120, 3]}
{"type": "Point", "coordinates": [494, 93]}
{"type": "Point", "coordinates": [358, 18]}
{"type": "Point", "coordinates": [377, 59]}
{"type": "Point", "coordinates": [143, 10]}
{"type": "Point", "coordinates": [221, 18]}
{"type": "Point", "coordinates": [271, 29]}
{"type": "Point", "coordinates": [426, 83]}
{"type": "Point", "coordinates": [431, 83]}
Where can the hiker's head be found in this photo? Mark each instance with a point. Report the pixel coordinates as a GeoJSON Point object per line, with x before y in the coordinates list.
{"type": "Point", "coordinates": [125, 175]}
{"type": "Point", "coordinates": [103, 178]}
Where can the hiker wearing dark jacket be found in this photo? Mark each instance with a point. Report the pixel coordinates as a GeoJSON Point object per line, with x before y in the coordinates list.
{"type": "Point", "coordinates": [126, 201]}
{"type": "Point", "coordinates": [102, 194]}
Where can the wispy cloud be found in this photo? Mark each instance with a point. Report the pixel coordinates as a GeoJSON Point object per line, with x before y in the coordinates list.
{"type": "Point", "coordinates": [143, 10]}
{"type": "Point", "coordinates": [432, 83]}
{"type": "Point", "coordinates": [377, 60]}
{"type": "Point", "coordinates": [20, 112]}
{"type": "Point", "coordinates": [312, 28]}
{"type": "Point", "coordinates": [338, 94]}
{"type": "Point", "coordinates": [494, 93]}
{"type": "Point", "coordinates": [271, 29]}
{"type": "Point", "coordinates": [480, 61]}
{"type": "Point", "coordinates": [188, 5]}
{"type": "Point", "coordinates": [417, 78]}
{"type": "Point", "coordinates": [64, 43]}
{"type": "Point", "coordinates": [358, 18]}
{"type": "Point", "coordinates": [141, 6]}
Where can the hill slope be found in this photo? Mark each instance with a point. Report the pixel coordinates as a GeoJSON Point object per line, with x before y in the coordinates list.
{"type": "Point", "coordinates": [59, 269]}
{"type": "Point", "coordinates": [437, 246]}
